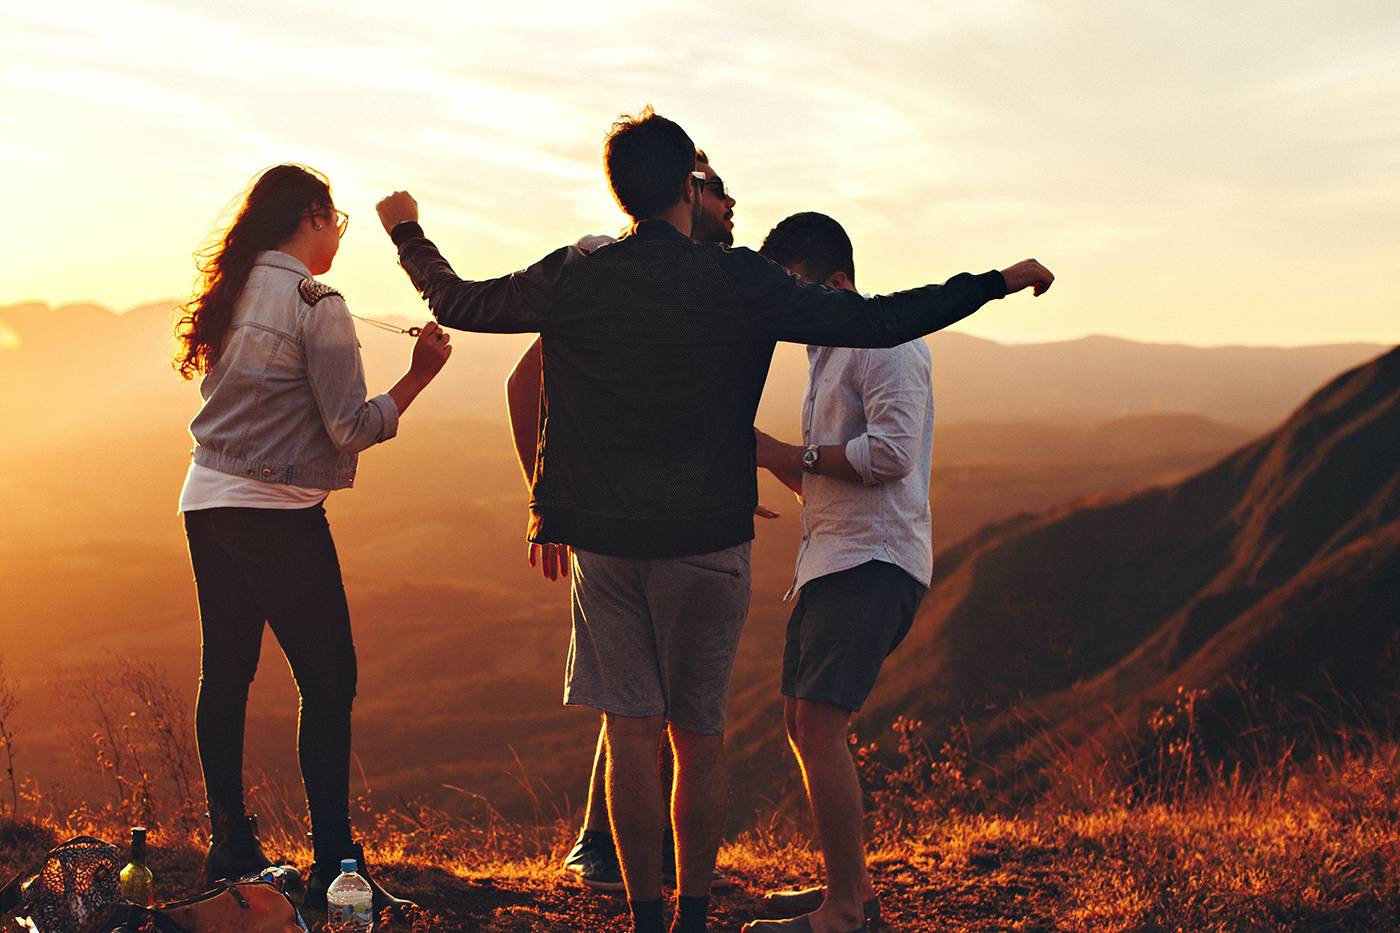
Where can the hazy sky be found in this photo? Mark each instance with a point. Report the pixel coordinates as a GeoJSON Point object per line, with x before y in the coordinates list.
{"type": "Point", "coordinates": [1194, 172]}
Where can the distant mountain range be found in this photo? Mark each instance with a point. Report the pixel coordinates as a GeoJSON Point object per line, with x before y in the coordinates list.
{"type": "Point", "coordinates": [1118, 565]}
{"type": "Point", "coordinates": [1087, 380]}
{"type": "Point", "coordinates": [1275, 573]}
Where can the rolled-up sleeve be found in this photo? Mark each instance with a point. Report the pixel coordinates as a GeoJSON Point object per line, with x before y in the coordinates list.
{"type": "Point", "coordinates": [337, 377]}
{"type": "Point", "coordinates": [895, 390]}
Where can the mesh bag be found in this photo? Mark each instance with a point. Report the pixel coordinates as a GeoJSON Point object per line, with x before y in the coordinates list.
{"type": "Point", "coordinates": [75, 891]}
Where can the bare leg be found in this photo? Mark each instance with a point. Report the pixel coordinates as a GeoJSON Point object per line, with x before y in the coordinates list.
{"type": "Point", "coordinates": [595, 814]}
{"type": "Point", "coordinates": [867, 887]}
{"type": "Point", "coordinates": [698, 803]}
{"type": "Point", "coordinates": [634, 801]}
{"type": "Point", "coordinates": [666, 767]}
{"type": "Point", "coordinates": [833, 788]}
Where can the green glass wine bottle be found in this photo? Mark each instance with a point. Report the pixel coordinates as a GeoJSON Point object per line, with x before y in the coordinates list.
{"type": "Point", "coordinates": [136, 882]}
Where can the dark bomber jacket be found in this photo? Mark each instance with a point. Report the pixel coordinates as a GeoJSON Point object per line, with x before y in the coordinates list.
{"type": "Point", "coordinates": [655, 351]}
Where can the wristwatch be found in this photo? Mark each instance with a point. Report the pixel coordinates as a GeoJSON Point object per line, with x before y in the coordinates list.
{"type": "Point", "coordinates": [810, 456]}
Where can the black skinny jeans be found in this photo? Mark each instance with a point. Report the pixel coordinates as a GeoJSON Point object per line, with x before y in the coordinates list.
{"type": "Point", "coordinates": [278, 566]}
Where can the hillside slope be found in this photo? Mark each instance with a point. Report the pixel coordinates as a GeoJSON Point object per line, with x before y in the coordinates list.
{"type": "Point", "coordinates": [1279, 567]}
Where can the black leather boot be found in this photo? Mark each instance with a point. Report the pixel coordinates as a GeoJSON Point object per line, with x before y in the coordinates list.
{"type": "Point", "coordinates": [234, 849]}
{"type": "Point", "coordinates": [327, 869]}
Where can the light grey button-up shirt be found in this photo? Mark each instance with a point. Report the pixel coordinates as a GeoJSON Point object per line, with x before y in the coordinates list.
{"type": "Point", "coordinates": [879, 403]}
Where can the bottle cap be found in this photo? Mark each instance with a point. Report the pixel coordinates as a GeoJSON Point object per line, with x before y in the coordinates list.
{"type": "Point", "coordinates": [347, 865]}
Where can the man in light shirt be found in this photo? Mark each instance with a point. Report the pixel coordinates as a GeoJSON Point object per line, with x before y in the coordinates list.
{"type": "Point", "coordinates": [863, 566]}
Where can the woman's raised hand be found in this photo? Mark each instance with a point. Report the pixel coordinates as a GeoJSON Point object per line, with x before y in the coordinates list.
{"type": "Point", "coordinates": [430, 352]}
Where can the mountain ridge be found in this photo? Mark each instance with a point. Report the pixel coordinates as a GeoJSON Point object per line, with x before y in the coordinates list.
{"type": "Point", "coordinates": [1108, 606]}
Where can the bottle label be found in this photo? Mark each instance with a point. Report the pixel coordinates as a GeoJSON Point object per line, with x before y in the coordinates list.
{"type": "Point", "coordinates": [359, 913]}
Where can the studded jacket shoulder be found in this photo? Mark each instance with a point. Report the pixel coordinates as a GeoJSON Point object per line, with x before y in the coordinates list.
{"type": "Point", "coordinates": [313, 291]}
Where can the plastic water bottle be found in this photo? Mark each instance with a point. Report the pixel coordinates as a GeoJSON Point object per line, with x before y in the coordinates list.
{"type": "Point", "coordinates": [349, 899]}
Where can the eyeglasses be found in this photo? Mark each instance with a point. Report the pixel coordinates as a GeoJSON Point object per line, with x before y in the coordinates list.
{"type": "Point", "coordinates": [715, 184]}
{"type": "Point", "coordinates": [342, 219]}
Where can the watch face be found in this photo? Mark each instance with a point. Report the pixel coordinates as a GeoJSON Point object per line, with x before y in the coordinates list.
{"type": "Point", "coordinates": [809, 458]}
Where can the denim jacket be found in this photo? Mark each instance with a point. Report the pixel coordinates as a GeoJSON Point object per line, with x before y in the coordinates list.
{"type": "Point", "coordinates": [285, 400]}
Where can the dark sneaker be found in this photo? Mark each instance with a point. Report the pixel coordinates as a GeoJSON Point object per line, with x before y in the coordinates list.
{"type": "Point", "coordinates": [594, 860]}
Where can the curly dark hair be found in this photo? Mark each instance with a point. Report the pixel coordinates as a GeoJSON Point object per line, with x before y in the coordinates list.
{"type": "Point", "coordinates": [272, 209]}
{"type": "Point", "coordinates": [648, 159]}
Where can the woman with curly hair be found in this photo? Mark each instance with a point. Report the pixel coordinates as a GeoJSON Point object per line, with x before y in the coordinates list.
{"type": "Point", "coordinates": [284, 417]}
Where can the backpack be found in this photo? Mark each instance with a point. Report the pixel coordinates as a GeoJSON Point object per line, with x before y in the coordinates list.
{"type": "Point", "coordinates": [76, 891]}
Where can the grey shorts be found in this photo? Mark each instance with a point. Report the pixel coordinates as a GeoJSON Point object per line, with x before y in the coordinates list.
{"type": "Point", "coordinates": [843, 627]}
{"type": "Point", "coordinates": [657, 636]}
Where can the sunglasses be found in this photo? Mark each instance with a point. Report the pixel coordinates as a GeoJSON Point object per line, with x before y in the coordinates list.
{"type": "Point", "coordinates": [715, 184]}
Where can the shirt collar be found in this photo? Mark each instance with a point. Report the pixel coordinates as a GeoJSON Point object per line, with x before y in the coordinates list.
{"type": "Point", "coordinates": [280, 260]}
{"type": "Point", "coordinates": [656, 229]}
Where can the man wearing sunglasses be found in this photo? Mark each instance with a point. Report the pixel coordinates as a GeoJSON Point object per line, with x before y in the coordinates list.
{"type": "Point", "coordinates": [655, 351]}
{"type": "Point", "coordinates": [593, 859]}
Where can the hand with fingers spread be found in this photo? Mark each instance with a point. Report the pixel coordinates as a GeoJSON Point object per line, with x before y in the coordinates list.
{"type": "Point", "coordinates": [552, 559]}
{"type": "Point", "coordinates": [1027, 274]}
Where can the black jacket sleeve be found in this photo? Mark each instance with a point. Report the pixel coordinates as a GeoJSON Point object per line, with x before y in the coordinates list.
{"type": "Point", "coordinates": [512, 304]}
{"type": "Point", "coordinates": [784, 307]}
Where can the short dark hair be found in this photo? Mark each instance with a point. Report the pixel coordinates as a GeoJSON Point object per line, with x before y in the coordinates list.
{"type": "Point", "coordinates": [648, 159]}
{"type": "Point", "coordinates": [813, 241]}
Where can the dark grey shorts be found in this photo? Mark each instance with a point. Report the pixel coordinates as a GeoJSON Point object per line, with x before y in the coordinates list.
{"type": "Point", "coordinates": [843, 627]}
{"type": "Point", "coordinates": [657, 636]}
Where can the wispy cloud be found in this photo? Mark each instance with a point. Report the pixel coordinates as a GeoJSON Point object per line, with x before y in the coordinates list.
{"type": "Point", "coordinates": [1126, 138]}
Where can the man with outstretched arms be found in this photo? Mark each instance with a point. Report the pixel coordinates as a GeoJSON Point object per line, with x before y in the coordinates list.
{"type": "Point", "coordinates": [593, 858]}
{"type": "Point", "coordinates": [655, 350]}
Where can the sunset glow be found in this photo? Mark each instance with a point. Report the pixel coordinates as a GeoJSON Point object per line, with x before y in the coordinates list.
{"type": "Point", "coordinates": [1192, 173]}
{"type": "Point", "coordinates": [1081, 613]}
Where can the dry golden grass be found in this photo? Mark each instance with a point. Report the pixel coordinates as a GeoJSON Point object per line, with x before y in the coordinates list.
{"type": "Point", "coordinates": [1321, 852]}
{"type": "Point", "coordinates": [1303, 843]}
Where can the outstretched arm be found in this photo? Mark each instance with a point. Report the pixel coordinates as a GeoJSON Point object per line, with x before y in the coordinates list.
{"type": "Point", "coordinates": [512, 304]}
{"type": "Point", "coordinates": [788, 309]}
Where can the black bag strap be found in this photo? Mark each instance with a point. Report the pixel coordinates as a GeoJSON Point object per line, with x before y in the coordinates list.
{"type": "Point", "coordinates": [132, 918]}
{"type": "Point", "coordinates": [165, 925]}
{"type": "Point", "coordinates": [10, 894]}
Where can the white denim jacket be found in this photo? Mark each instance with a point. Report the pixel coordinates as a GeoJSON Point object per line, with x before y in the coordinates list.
{"type": "Point", "coordinates": [285, 401]}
